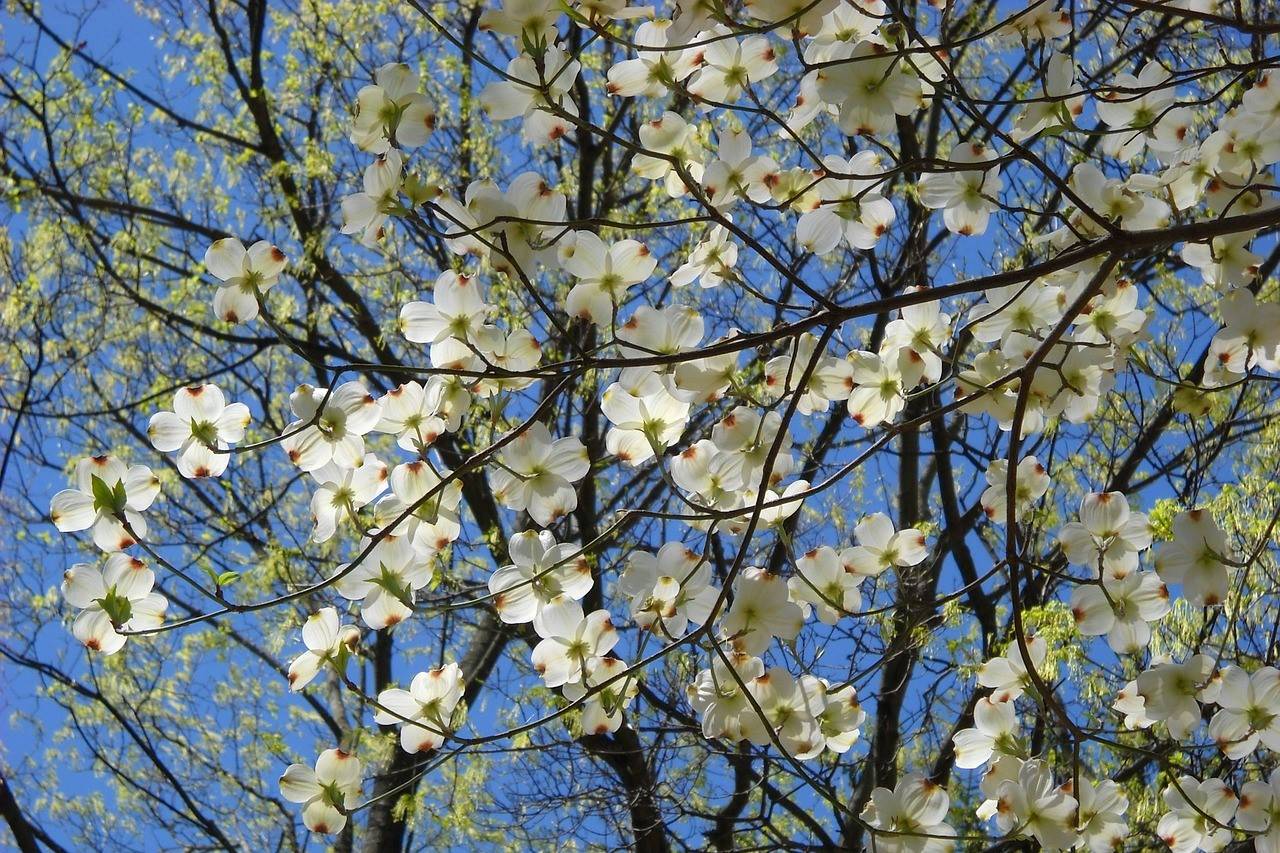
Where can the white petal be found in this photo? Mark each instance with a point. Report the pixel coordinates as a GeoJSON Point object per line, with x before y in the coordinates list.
{"type": "Point", "coordinates": [225, 259]}
{"type": "Point", "coordinates": [167, 431]}
{"type": "Point", "coordinates": [72, 510]}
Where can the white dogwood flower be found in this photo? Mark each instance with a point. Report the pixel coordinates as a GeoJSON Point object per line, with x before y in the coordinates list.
{"type": "Point", "coordinates": [111, 600]}
{"type": "Point", "coordinates": [327, 641]}
{"type": "Point", "coordinates": [1199, 815]}
{"type": "Point", "coordinates": [392, 111]}
{"type": "Point", "coordinates": [880, 547]}
{"type": "Point", "coordinates": [1033, 483]}
{"type": "Point", "coordinates": [1122, 608]}
{"type": "Point", "coordinates": [612, 693]}
{"type": "Point", "coordinates": [965, 197]}
{"type": "Point", "coordinates": [913, 814]}
{"type": "Point", "coordinates": [245, 274]}
{"type": "Point", "coordinates": [330, 427]}
{"type": "Point", "coordinates": [325, 793]}
{"type": "Point", "coordinates": [540, 571]}
{"type": "Point", "coordinates": [537, 474]}
{"type": "Point", "coordinates": [1196, 558]}
{"type": "Point", "coordinates": [1108, 537]}
{"type": "Point", "coordinates": [570, 640]}
{"type": "Point", "coordinates": [604, 273]}
{"type": "Point", "coordinates": [424, 712]}
{"type": "Point", "coordinates": [104, 494]}
{"type": "Point", "coordinates": [1007, 675]}
{"type": "Point", "coordinates": [822, 583]}
{"type": "Point", "coordinates": [201, 423]}
{"type": "Point", "coordinates": [1249, 711]}
{"type": "Point", "coordinates": [848, 206]}
{"type": "Point", "coordinates": [671, 588]}
{"type": "Point", "coordinates": [458, 310]}
{"type": "Point", "coordinates": [645, 417]}
{"type": "Point", "coordinates": [342, 491]}
{"type": "Point", "coordinates": [994, 730]}
{"type": "Point", "coordinates": [386, 582]}
{"type": "Point", "coordinates": [761, 610]}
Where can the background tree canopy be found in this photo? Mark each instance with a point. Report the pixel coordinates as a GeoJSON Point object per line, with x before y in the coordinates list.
{"type": "Point", "coordinates": [796, 424]}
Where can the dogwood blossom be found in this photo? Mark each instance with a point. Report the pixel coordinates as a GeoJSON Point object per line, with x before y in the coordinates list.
{"type": "Point", "coordinates": [994, 730]}
{"type": "Point", "coordinates": [425, 712]}
{"type": "Point", "coordinates": [1259, 812]}
{"type": "Point", "coordinates": [789, 709]}
{"type": "Point", "coordinates": [1122, 608]}
{"type": "Point", "coordinates": [342, 491]}
{"type": "Point", "coordinates": [1247, 713]}
{"type": "Point", "coordinates": [1033, 805]}
{"type": "Point", "coordinates": [1007, 675]}
{"type": "Point", "coordinates": [1196, 558]}
{"type": "Point", "coordinates": [1062, 103]}
{"type": "Point", "coordinates": [245, 274]}
{"type": "Point", "coordinates": [671, 588]}
{"type": "Point", "coordinates": [604, 273]}
{"type": "Point", "coordinates": [412, 416]}
{"type": "Point", "coordinates": [511, 229]}
{"type": "Point", "coordinates": [112, 600]}
{"type": "Point", "coordinates": [1173, 692]}
{"type": "Point", "coordinates": [719, 694]}
{"type": "Point", "coordinates": [920, 332]}
{"type": "Point", "coordinates": [737, 173]}
{"type": "Point", "coordinates": [106, 494]}
{"type": "Point", "coordinates": [1033, 483]}
{"type": "Point", "coordinates": [536, 90]}
{"type": "Point", "coordinates": [326, 793]}
{"type": "Point", "coordinates": [330, 426]}
{"type": "Point", "coordinates": [831, 378]}
{"type": "Point", "coordinates": [1199, 815]}
{"type": "Point", "coordinates": [392, 111]}
{"type": "Point", "coordinates": [966, 197]}
{"type": "Point", "coordinates": [458, 311]}
{"type": "Point", "coordinates": [385, 582]}
{"type": "Point", "coordinates": [540, 571]}
{"type": "Point", "coordinates": [841, 717]}
{"type": "Point", "coordinates": [1102, 826]}
{"type": "Point", "coordinates": [327, 641]}
{"type": "Point", "coordinates": [849, 208]}
{"type": "Point", "coordinates": [201, 424]}
{"type": "Point", "coordinates": [612, 693]}
{"type": "Point", "coordinates": [823, 584]}
{"type": "Point", "coordinates": [655, 68]}
{"type": "Point", "coordinates": [880, 547]}
{"type": "Point", "coordinates": [1108, 537]}
{"type": "Point", "coordinates": [367, 213]}
{"type": "Point", "coordinates": [880, 385]}
{"type": "Point", "coordinates": [570, 640]}
{"type": "Point", "coordinates": [430, 501]}
{"type": "Point", "coordinates": [676, 141]}
{"type": "Point", "coordinates": [646, 416]}
{"type": "Point", "coordinates": [537, 474]}
{"type": "Point", "coordinates": [870, 88]}
{"type": "Point", "coordinates": [729, 66]}
{"type": "Point", "coordinates": [915, 812]}
{"type": "Point", "coordinates": [1133, 108]}
{"type": "Point", "coordinates": [711, 262]}
{"type": "Point", "coordinates": [760, 612]}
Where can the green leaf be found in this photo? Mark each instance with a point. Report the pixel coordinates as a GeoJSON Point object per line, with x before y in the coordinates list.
{"type": "Point", "coordinates": [106, 498]}
{"type": "Point", "coordinates": [118, 608]}
{"type": "Point", "coordinates": [227, 578]}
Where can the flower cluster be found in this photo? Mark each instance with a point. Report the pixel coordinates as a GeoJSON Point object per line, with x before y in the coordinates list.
{"type": "Point", "coordinates": [556, 350]}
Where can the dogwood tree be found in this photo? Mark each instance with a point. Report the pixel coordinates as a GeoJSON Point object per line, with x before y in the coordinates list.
{"type": "Point", "coordinates": [746, 424]}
